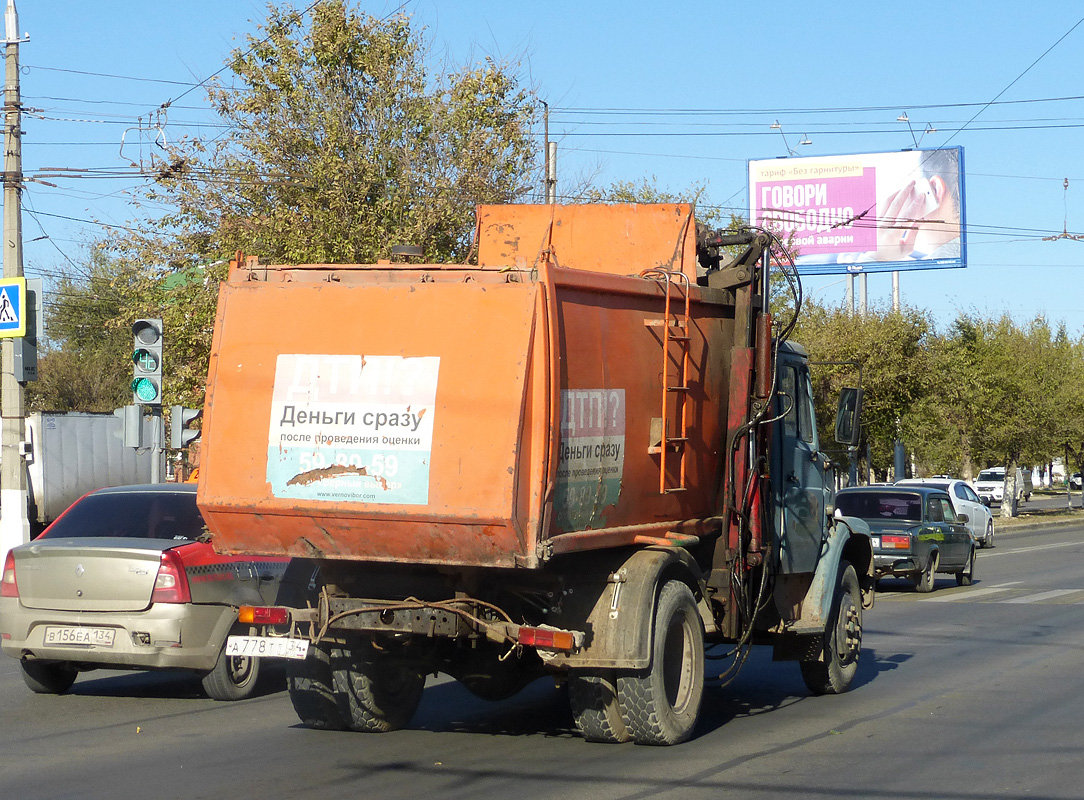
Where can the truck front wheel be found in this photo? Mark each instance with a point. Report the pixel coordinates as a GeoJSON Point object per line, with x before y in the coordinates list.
{"type": "Point", "coordinates": [593, 697]}
{"type": "Point", "coordinates": [376, 694]}
{"type": "Point", "coordinates": [311, 690]}
{"type": "Point", "coordinates": [835, 670]}
{"type": "Point", "coordinates": [662, 704]}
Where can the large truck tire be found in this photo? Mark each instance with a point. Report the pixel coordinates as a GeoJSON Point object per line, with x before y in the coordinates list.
{"type": "Point", "coordinates": [660, 706]}
{"type": "Point", "coordinates": [595, 707]}
{"type": "Point", "coordinates": [311, 690]}
{"type": "Point", "coordinates": [842, 643]}
{"type": "Point", "coordinates": [48, 677]}
{"type": "Point", "coordinates": [375, 694]}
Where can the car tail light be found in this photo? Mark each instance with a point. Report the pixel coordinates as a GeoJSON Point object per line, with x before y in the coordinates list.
{"type": "Point", "coordinates": [171, 584]}
{"type": "Point", "coordinates": [8, 586]}
{"type": "Point", "coordinates": [895, 542]}
{"type": "Point", "coordinates": [263, 615]}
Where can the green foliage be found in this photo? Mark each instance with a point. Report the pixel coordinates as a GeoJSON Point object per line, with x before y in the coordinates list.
{"type": "Point", "coordinates": [891, 350]}
{"type": "Point", "coordinates": [340, 144]}
{"type": "Point", "coordinates": [647, 190]}
{"type": "Point", "coordinates": [85, 358]}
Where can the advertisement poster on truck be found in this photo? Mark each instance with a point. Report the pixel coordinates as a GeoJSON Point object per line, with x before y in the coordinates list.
{"type": "Point", "coordinates": [869, 212]}
{"type": "Point", "coordinates": [591, 459]}
{"type": "Point", "coordinates": [352, 428]}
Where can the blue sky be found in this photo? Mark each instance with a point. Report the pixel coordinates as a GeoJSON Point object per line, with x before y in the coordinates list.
{"type": "Point", "coordinates": [622, 81]}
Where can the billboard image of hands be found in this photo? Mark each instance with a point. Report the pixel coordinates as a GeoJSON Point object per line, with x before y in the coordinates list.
{"type": "Point", "coordinates": [871, 212]}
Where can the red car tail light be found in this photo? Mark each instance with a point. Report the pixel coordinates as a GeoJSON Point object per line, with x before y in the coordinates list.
{"type": "Point", "coordinates": [8, 586]}
{"type": "Point", "coordinates": [171, 584]}
{"type": "Point", "coordinates": [895, 542]}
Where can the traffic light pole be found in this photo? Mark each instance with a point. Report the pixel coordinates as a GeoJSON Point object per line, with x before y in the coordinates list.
{"type": "Point", "coordinates": [157, 444]}
{"type": "Point", "coordinates": [14, 523]}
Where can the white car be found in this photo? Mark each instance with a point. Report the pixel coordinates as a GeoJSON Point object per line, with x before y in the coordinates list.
{"type": "Point", "coordinates": [965, 500]}
{"type": "Point", "coordinates": [991, 485]}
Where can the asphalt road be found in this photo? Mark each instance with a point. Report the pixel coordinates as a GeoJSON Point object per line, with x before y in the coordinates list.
{"type": "Point", "coordinates": [969, 692]}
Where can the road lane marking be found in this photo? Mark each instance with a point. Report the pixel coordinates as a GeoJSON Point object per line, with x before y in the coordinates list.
{"type": "Point", "coordinates": [965, 595]}
{"type": "Point", "coordinates": [1041, 597]}
{"type": "Point", "coordinates": [1036, 548]}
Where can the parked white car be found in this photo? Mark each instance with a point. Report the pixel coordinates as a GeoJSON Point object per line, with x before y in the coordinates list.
{"type": "Point", "coordinates": [965, 500]}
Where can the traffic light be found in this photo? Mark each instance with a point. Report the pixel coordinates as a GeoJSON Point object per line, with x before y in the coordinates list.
{"type": "Point", "coordinates": [179, 433]}
{"type": "Point", "coordinates": [147, 356]}
{"type": "Point", "coordinates": [132, 432]}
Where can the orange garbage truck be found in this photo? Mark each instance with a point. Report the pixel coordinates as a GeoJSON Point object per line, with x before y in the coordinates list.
{"type": "Point", "coordinates": [587, 455]}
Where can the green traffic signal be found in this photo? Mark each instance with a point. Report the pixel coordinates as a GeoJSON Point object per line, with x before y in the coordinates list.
{"type": "Point", "coordinates": [147, 358]}
{"type": "Point", "coordinates": [145, 390]}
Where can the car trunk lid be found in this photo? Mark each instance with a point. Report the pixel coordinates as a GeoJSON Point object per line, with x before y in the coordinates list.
{"type": "Point", "coordinates": [103, 574]}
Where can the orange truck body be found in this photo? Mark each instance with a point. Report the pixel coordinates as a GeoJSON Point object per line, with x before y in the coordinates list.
{"type": "Point", "coordinates": [486, 416]}
{"type": "Point", "coordinates": [582, 456]}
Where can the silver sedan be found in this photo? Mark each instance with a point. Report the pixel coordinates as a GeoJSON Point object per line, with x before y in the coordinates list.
{"type": "Point", "coordinates": [126, 578]}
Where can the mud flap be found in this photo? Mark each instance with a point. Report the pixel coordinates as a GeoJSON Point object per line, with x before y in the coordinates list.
{"type": "Point", "coordinates": [848, 540]}
{"type": "Point", "coordinates": [615, 605]}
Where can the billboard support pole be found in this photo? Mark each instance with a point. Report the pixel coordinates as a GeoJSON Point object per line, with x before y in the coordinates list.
{"type": "Point", "coordinates": [849, 300]}
{"type": "Point", "coordinates": [862, 294]}
{"type": "Point", "coordinates": [896, 291]}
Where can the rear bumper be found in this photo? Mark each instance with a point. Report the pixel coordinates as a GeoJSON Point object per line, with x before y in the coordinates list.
{"type": "Point", "coordinates": [167, 635]}
{"type": "Point", "coordinates": [894, 565]}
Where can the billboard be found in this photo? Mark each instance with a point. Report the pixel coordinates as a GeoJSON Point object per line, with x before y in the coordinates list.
{"type": "Point", "coordinates": [869, 212]}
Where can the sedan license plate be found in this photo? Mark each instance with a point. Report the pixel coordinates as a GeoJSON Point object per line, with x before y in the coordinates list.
{"type": "Point", "coordinates": [875, 541]}
{"type": "Point", "coordinates": [90, 637]}
{"type": "Point", "coordinates": [267, 647]}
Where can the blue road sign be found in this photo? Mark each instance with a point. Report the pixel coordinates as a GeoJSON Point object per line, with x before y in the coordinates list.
{"type": "Point", "coordinates": [12, 307]}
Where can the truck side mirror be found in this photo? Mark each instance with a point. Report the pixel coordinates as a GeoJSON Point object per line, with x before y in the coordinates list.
{"type": "Point", "coordinates": [848, 416]}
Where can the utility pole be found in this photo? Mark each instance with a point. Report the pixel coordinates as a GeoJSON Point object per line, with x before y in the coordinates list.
{"type": "Point", "coordinates": [14, 524]}
{"type": "Point", "coordinates": [550, 155]}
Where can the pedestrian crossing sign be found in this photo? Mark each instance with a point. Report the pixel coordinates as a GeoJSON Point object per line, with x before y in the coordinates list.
{"type": "Point", "coordinates": [12, 307]}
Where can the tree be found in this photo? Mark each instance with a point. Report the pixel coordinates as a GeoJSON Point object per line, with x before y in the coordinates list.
{"type": "Point", "coordinates": [892, 349]}
{"type": "Point", "coordinates": [85, 362]}
{"type": "Point", "coordinates": [339, 145]}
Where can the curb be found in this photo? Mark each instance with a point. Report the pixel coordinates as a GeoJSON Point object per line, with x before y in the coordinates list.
{"type": "Point", "coordinates": [1036, 525]}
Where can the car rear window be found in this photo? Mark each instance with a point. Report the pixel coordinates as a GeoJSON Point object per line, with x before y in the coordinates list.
{"type": "Point", "coordinates": [135, 515]}
{"type": "Point", "coordinates": [868, 505]}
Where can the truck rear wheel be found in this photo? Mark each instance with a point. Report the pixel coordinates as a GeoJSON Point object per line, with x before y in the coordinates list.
{"type": "Point", "coordinates": [311, 690]}
{"type": "Point", "coordinates": [376, 694]}
{"type": "Point", "coordinates": [661, 705]}
{"type": "Point", "coordinates": [595, 707]}
{"type": "Point", "coordinates": [834, 672]}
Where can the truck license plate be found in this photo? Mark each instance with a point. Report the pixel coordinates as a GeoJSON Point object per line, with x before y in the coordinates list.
{"type": "Point", "coordinates": [90, 637]}
{"type": "Point", "coordinates": [267, 647]}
